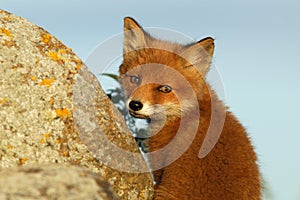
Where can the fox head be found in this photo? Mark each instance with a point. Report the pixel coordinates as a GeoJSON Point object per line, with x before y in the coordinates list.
{"type": "Point", "coordinates": [162, 78]}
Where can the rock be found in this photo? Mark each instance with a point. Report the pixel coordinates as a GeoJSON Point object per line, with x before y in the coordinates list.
{"type": "Point", "coordinates": [53, 110]}
{"type": "Point", "coordinates": [53, 182]}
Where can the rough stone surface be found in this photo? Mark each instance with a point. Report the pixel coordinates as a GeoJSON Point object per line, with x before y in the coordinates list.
{"type": "Point", "coordinates": [45, 117]}
{"type": "Point", "coordinates": [53, 182]}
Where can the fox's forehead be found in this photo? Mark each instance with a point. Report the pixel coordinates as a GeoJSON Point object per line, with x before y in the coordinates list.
{"type": "Point", "coordinates": [153, 69]}
{"type": "Point", "coordinates": [154, 57]}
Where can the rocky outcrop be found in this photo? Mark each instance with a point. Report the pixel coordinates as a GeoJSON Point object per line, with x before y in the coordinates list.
{"type": "Point", "coordinates": [53, 110]}
{"type": "Point", "coordinates": [53, 182]}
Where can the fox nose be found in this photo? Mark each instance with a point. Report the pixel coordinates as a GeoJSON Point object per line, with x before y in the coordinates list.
{"type": "Point", "coordinates": [135, 105]}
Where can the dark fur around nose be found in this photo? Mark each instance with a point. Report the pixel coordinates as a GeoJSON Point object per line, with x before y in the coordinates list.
{"type": "Point", "coordinates": [135, 105]}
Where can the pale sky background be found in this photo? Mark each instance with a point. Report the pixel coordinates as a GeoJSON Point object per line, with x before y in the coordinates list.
{"type": "Point", "coordinates": [257, 54]}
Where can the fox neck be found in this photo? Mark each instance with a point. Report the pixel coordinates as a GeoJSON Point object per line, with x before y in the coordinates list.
{"type": "Point", "coordinates": [186, 125]}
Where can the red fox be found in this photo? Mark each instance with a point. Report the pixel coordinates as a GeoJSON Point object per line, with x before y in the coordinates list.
{"type": "Point", "coordinates": [165, 83]}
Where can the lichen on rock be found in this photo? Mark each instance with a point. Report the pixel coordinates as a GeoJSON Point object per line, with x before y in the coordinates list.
{"type": "Point", "coordinates": [39, 121]}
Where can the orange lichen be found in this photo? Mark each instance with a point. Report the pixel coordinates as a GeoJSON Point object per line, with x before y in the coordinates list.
{"type": "Point", "coordinates": [33, 78]}
{"type": "Point", "coordinates": [47, 135]}
{"type": "Point", "coordinates": [78, 63]}
{"type": "Point", "coordinates": [51, 101]}
{"type": "Point", "coordinates": [78, 67]}
{"type": "Point", "coordinates": [47, 82]}
{"type": "Point", "coordinates": [7, 18]}
{"type": "Point", "coordinates": [46, 38]}
{"type": "Point", "coordinates": [54, 56]}
{"type": "Point", "coordinates": [6, 32]}
{"type": "Point", "coordinates": [10, 147]}
{"type": "Point", "coordinates": [66, 153]}
{"type": "Point", "coordinates": [42, 141]}
{"type": "Point", "coordinates": [62, 51]}
{"type": "Point", "coordinates": [23, 160]}
{"type": "Point", "coordinates": [62, 112]}
{"type": "Point", "coordinates": [3, 101]}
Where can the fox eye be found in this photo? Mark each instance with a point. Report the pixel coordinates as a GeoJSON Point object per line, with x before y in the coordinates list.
{"type": "Point", "coordinates": [165, 89]}
{"type": "Point", "coordinates": [134, 79]}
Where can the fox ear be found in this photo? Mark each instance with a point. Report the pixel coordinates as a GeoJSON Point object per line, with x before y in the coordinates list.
{"type": "Point", "coordinates": [134, 35]}
{"type": "Point", "coordinates": [200, 54]}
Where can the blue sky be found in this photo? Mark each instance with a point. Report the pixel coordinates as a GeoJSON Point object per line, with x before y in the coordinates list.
{"type": "Point", "coordinates": [257, 54]}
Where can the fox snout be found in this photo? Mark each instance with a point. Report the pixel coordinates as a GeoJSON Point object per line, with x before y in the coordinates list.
{"type": "Point", "coordinates": [137, 109]}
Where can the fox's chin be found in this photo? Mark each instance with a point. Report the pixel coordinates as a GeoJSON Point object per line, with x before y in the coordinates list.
{"type": "Point", "coordinates": [138, 115]}
{"type": "Point", "coordinates": [149, 118]}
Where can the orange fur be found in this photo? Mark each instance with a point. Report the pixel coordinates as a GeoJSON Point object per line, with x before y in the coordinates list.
{"type": "Point", "coordinates": [229, 171]}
